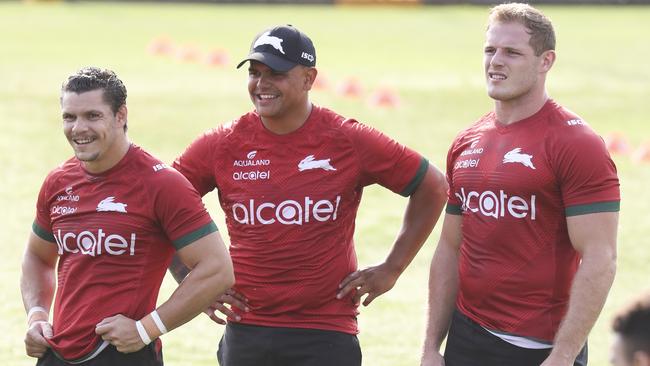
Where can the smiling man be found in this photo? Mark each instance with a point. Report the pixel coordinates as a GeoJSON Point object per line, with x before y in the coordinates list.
{"type": "Point", "coordinates": [290, 175]}
{"type": "Point", "coordinates": [527, 251]}
{"type": "Point", "coordinates": [108, 221]}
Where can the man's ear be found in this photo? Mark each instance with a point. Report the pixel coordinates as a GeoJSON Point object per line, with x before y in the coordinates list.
{"type": "Point", "coordinates": [548, 59]}
{"type": "Point", "coordinates": [310, 76]}
{"type": "Point", "coordinates": [122, 115]}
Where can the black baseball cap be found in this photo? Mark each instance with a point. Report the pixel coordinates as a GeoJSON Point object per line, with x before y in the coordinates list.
{"type": "Point", "coordinates": [281, 48]}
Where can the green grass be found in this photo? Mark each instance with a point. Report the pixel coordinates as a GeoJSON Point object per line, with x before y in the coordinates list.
{"type": "Point", "coordinates": [430, 55]}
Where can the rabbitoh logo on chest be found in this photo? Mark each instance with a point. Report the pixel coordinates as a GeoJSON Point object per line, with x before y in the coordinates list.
{"type": "Point", "coordinates": [310, 163]}
{"type": "Point", "coordinates": [109, 204]}
{"type": "Point", "coordinates": [516, 156]}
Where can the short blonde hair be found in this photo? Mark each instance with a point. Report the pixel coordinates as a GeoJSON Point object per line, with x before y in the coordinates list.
{"type": "Point", "coordinates": [540, 28]}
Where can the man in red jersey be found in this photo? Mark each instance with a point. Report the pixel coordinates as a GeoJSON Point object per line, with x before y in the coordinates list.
{"type": "Point", "coordinates": [631, 346]}
{"type": "Point", "coordinates": [527, 251]}
{"type": "Point", "coordinates": [109, 220]}
{"type": "Point", "coordinates": [290, 177]}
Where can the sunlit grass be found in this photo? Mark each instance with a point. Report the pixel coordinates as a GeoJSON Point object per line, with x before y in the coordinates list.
{"type": "Point", "coordinates": [430, 55]}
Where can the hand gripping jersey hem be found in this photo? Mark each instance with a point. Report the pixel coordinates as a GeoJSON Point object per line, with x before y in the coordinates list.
{"type": "Point", "coordinates": [611, 206]}
{"type": "Point", "coordinates": [85, 358]}
{"type": "Point", "coordinates": [195, 235]}
{"type": "Point", "coordinates": [417, 179]}
{"type": "Point", "coordinates": [42, 233]}
{"type": "Point", "coordinates": [453, 209]}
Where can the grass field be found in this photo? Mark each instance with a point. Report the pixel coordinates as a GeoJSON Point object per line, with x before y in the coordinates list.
{"type": "Point", "coordinates": [430, 55]}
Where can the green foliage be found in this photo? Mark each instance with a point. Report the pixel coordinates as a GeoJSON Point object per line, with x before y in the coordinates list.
{"type": "Point", "coordinates": [430, 55]}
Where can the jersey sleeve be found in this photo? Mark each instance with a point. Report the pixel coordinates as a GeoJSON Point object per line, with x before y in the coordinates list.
{"type": "Point", "coordinates": [385, 161]}
{"type": "Point", "coordinates": [195, 163]}
{"type": "Point", "coordinates": [42, 225]}
{"type": "Point", "coordinates": [180, 210]}
{"type": "Point", "coordinates": [586, 173]}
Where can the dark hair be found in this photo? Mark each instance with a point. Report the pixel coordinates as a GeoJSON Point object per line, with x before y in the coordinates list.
{"type": "Point", "coordinates": [633, 325]}
{"type": "Point", "coordinates": [94, 78]}
{"type": "Point", "coordinates": [540, 28]}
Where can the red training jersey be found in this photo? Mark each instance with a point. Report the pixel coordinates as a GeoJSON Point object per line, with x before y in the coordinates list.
{"type": "Point", "coordinates": [116, 233]}
{"type": "Point", "coordinates": [515, 185]}
{"type": "Point", "coordinates": [290, 203]}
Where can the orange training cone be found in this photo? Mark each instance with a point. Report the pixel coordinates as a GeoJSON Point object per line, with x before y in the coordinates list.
{"type": "Point", "coordinates": [350, 88]}
{"type": "Point", "coordinates": [384, 97]}
{"type": "Point", "coordinates": [617, 144]}
{"type": "Point", "coordinates": [161, 46]}
{"type": "Point", "coordinates": [218, 57]}
{"type": "Point", "coordinates": [188, 53]}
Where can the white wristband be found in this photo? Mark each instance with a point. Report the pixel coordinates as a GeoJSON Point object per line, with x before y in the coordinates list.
{"type": "Point", "coordinates": [158, 321]}
{"type": "Point", "coordinates": [36, 309]}
{"type": "Point", "coordinates": [143, 333]}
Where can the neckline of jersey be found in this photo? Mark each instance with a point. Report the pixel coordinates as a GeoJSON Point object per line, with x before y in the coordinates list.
{"type": "Point", "coordinates": [122, 162]}
{"type": "Point", "coordinates": [315, 111]}
{"type": "Point", "coordinates": [535, 117]}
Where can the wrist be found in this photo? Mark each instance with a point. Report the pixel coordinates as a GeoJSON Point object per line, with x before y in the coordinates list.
{"type": "Point", "coordinates": [144, 336]}
{"type": "Point", "coordinates": [394, 268]}
{"type": "Point", "coordinates": [431, 346]}
{"type": "Point", "coordinates": [37, 314]}
{"type": "Point", "coordinates": [561, 356]}
{"type": "Point", "coordinates": [150, 327]}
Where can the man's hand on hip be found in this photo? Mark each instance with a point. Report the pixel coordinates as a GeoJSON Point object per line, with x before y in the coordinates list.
{"type": "Point", "coordinates": [373, 281]}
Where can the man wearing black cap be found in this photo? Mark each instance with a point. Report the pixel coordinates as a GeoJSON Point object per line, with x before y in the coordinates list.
{"type": "Point", "coordinates": [290, 176]}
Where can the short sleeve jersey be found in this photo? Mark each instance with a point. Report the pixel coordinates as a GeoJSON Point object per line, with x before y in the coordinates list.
{"type": "Point", "coordinates": [116, 233]}
{"type": "Point", "coordinates": [514, 186]}
{"type": "Point", "coordinates": [290, 203]}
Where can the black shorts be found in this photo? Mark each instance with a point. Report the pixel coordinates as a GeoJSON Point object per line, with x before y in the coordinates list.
{"type": "Point", "coordinates": [248, 345]}
{"type": "Point", "coordinates": [150, 355]}
{"type": "Point", "coordinates": [469, 344]}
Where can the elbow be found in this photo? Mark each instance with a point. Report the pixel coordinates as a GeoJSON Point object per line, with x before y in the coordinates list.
{"type": "Point", "coordinates": [611, 260]}
{"type": "Point", "coordinates": [601, 263]}
{"type": "Point", "coordinates": [214, 275]}
{"type": "Point", "coordinates": [610, 271]}
{"type": "Point", "coordinates": [229, 279]}
{"type": "Point", "coordinates": [224, 277]}
{"type": "Point", "coordinates": [613, 264]}
{"type": "Point", "coordinates": [220, 281]}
